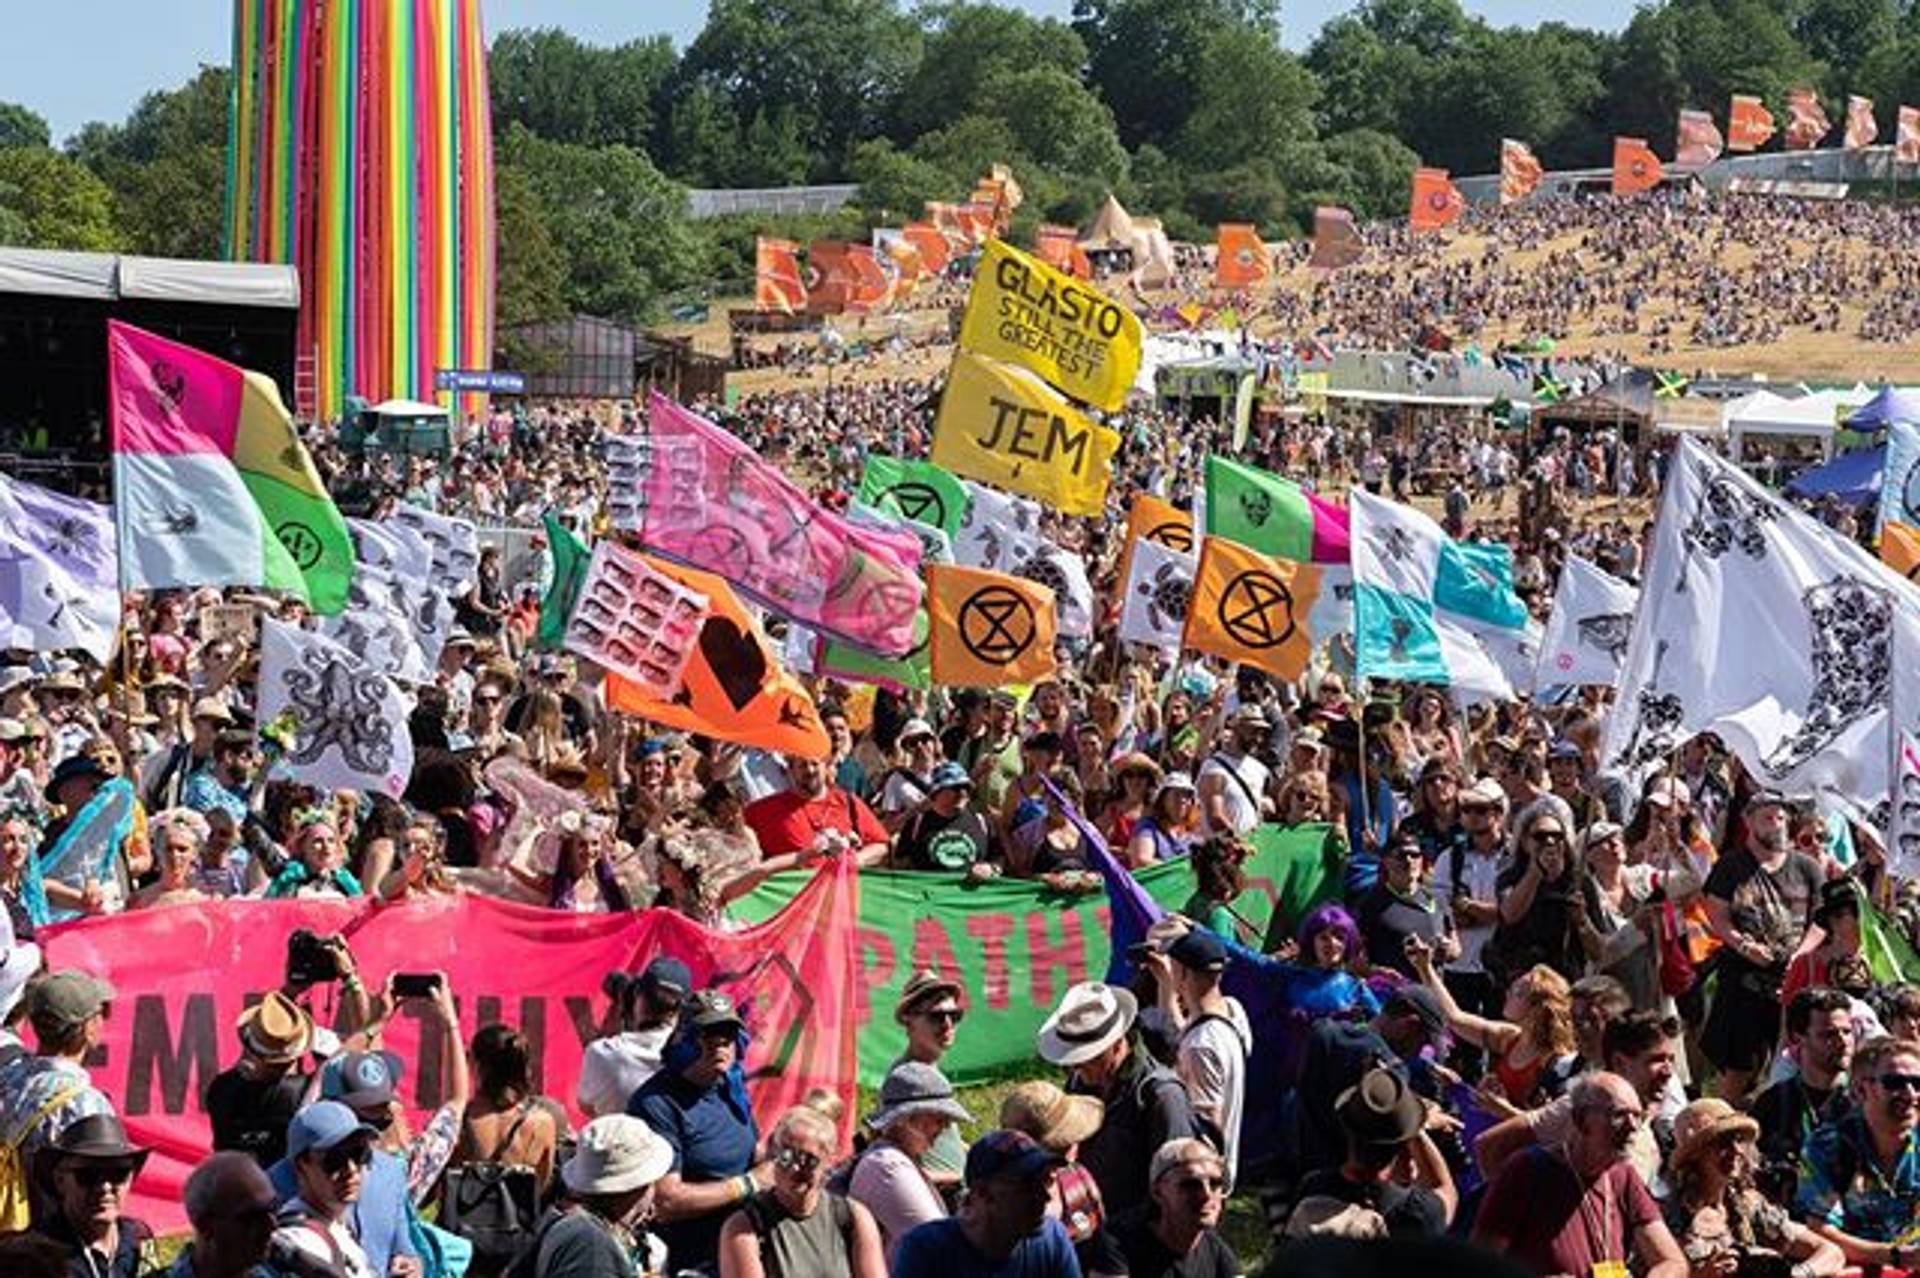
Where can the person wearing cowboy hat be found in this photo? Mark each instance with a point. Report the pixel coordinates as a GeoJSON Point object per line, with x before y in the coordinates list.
{"type": "Point", "coordinates": [1383, 1119]}
{"type": "Point", "coordinates": [1233, 781]}
{"type": "Point", "coordinates": [916, 1106]}
{"type": "Point", "coordinates": [1091, 1036]}
{"type": "Point", "coordinates": [91, 1166]}
{"type": "Point", "coordinates": [1716, 1214]}
{"type": "Point", "coordinates": [1004, 1227]}
{"type": "Point", "coordinates": [250, 1103]}
{"type": "Point", "coordinates": [930, 1009]}
{"type": "Point", "coordinates": [946, 835]}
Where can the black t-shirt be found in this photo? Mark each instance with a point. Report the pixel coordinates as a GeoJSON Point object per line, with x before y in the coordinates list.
{"type": "Point", "coordinates": [1773, 906]}
{"type": "Point", "coordinates": [251, 1115]}
{"type": "Point", "coordinates": [1387, 919]}
{"type": "Point", "coordinates": [1336, 1055]}
{"type": "Point", "coordinates": [1411, 1211]}
{"type": "Point", "coordinates": [1148, 1257]}
{"type": "Point", "coordinates": [930, 841]}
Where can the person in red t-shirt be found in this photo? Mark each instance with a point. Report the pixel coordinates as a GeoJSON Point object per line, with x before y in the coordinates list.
{"type": "Point", "coordinates": [815, 818]}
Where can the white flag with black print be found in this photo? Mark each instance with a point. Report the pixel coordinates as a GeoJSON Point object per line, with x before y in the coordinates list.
{"type": "Point", "coordinates": [1002, 534]}
{"type": "Point", "coordinates": [454, 543]}
{"type": "Point", "coordinates": [349, 720]}
{"type": "Point", "coordinates": [1588, 630]}
{"type": "Point", "coordinates": [1759, 623]}
{"type": "Point", "coordinates": [1902, 817]}
{"type": "Point", "coordinates": [1159, 589]}
{"type": "Point", "coordinates": [400, 590]}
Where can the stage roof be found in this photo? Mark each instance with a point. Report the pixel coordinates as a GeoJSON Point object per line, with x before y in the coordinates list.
{"type": "Point", "coordinates": [107, 276]}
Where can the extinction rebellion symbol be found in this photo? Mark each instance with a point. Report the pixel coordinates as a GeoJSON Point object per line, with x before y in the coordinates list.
{"type": "Point", "coordinates": [1256, 609]}
{"type": "Point", "coordinates": [915, 500]}
{"type": "Point", "coordinates": [300, 543]}
{"type": "Point", "coordinates": [996, 625]}
{"type": "Point", "coordinates": [1174, 535]}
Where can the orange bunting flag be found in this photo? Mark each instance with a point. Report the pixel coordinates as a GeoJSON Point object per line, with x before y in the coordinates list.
{"type": "Point", "coordinates": [1807, 121]}
{"type": "Point", "coordinates": [1861, 128]}
{"type": "Point", "coordinates": [734, 688]}
{"type": "Point", "coordinates": [1900, 549]}
{"type": "Point", "coordinates": [1252, 608]}
{"type": "Point", "coordinates": [986, 629]}
{"type": "Point", "coordinates": [1436, 201]}
{"type": "Point", "coordinates": [1906, 136]}
{"type": "Point", "coordinates": [904, 258]}
{"type": "Point", "coordinates": [1697, 141]}
{"type": "Point", "coordinates": [1749, 124]}
{"type": "Point", "coordinates": [1520, 173]}
{"type": "Point", "coordinates": [930, 243]}
{"type": "Point", "coordinates": [831, 277]}
{"type": "Point", "coordinates": [1635, 167]}
{"type": "Point", "coordinates": [1336, 240]}
{"type": "Point", "coordinates": [872, 282]}
{"type": "Point", "coordinates": [1240, 256]}
{"type": "Point", "coordinates": [777, 282]}
{"type": "Point", "coordinates": [950, 222]}
{"type": "Point", "coordinates": [1059, 247]}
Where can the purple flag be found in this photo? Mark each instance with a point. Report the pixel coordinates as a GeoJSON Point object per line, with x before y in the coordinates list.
{"type": "Point", "coordinates": [71, 533]}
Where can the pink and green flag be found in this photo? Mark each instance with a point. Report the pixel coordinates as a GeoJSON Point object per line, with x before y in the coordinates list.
{"type": "Point", "coordinates": [1275, 516]}
{"type": "Point", "coordinates": [212, 487]}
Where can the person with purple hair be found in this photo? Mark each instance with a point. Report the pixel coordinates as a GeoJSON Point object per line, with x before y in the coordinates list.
{"type": "Point", "coordinates": [1319, 980]}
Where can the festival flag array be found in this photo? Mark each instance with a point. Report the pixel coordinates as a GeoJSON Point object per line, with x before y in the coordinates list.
{"type": "Point", "coordinates": [1861, 127]}
{"type": "Point", "coordinates": [1587, 631]}
{"type": "Point", "coordinates": [777, 282]}
{"type": "Point", "coordinates": [1253, 609]}
{"type": "Point", "coordinates": [212, 485]}
{"type": "Point", "coordinates": [1241, 259]}
{"type": "Point", "coordinates": [1158, 585]}
{"type": "Point", "coordinates": [988, 629]}
{"type": "Point", "coordinates": [1520, 172]}
{"type": "Point", "coordinates": [1697, 139]}
{"type": "Point", "coordinates": [1749, 123]}
{"type": "Point", "coordinates": [1635, 167]}
{"type": "Point", "coordinates": [1906, 138]}
{"type": "Point", "coordinates": [1273, 515]}
{"type": "Point", "coordinates": [1001, 533]}
{"type": "Point", "coordinates": [349, 721]}
{"type": "Point", "coordinates": [1807, 121]}
{"type": "Point", "coordinates": [1436, 201]}
{"type": "Point", "coordinates": [1336, 239]}
{"type": "Point", "coordinates": [1002, 424]}
{"type": "Point", "coordinates": [1025, 312]}
{"type": "Point", "coordinates": [932, 246]}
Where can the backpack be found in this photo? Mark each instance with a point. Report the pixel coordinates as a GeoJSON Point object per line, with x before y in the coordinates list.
{"type": "Point", "coordinates": [16, 1192]}
{"type": "Point", "coordinates": [493, 1205]}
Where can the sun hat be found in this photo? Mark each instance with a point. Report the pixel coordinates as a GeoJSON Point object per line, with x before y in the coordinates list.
{"type": "Point", "coordinates": [1251, 716]}
{"type": "Point", "coordinates": [917, 729]}
{"type": "Point", "coordinates": [1174, 781]}
{"type": "Point", "coordinates": [1485, 791]}
{"type": "Point", "coordinates": [1135, 761]}
{"type": "Point", "coordinates": [616, 1154]}
{"type": "Point", "coordinates": [1698, 1127]}
{"type": "Point", "coordinates": [1058, 1119]}
{"type": "Point", "coordinates": [1380, 1111]}
{"type": "Point", "coordinates": [12, 677]}
{"type": "Point", "coordinates": [1091, 1017]}
{"type": "Point", "coordinates": [97, 1137]}
{"type": "Point", "coordinates": [75, 767]}
{"type": "Point", "coordinates": [212, 708]}
{"type": "Point", "coordinates": [1598, 832]}
{"type": "Point", "coordinates": [276, 1030]}
{"type": "Point", "coordinates": [915, 1087]}
{"type": "Point", "coordinates": [1005, 1153]}
{"type": "Point", "coordinates": [924, 987]}
{"type": "Point", "coordinates": [1667, 791]}
{"type": "Point", "coordinates": [324, 1125]}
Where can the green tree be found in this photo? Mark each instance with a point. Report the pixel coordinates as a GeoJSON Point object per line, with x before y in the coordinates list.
{"type": "Point", "coordinates": [566, 90]}
{"type": "Point", "coordinates": [1844, 34]}
{"type": "Point", "coordinates": [1379, 171]}
{"type": "Point", "coordinates": [1056, 122]}
{"type": "Point", "coordinates": [1147, 58]}
{"type": "Point", "coordinates": [966, 46]}
{"type": "Point", "coordinates": [1253, 96]}
{"type": "Point", "coordinates": [52, 202]}
{"type": "Point", "coordinates": [893, 184]}
{"type": "Point", "coordinates": [21, 127]}
{"type": "Point", "coordinates": [166, 167]}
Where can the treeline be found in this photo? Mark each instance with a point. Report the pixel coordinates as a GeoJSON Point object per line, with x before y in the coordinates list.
{"type": "Point", "coordinates": [1189, 109]}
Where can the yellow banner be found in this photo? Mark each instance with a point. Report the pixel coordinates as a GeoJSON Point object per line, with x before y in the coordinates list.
{"type": "Point", "coordinates": [1003, 426]}
{"type": "Point", "coordinates": [1025, 311]}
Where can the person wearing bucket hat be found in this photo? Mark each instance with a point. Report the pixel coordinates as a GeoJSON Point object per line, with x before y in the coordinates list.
{"type": "Point", "coordinates": [92, 1166]}
{"type": "Point", "coordinates": [1004, 1227]}
{"type": "Point", "coordinates": [946, 835]}
{"type": "Point", "coordinates": [1091, 1036]}
{"type": "Point", "coordinates": [905, 787]}
{"type": "Point", "coordinates": [602, 1229]}
{"type": "Point", "coordinates": [1713, 1208]}
{"type": "Point", "coordinates": [1383, 1120]}
{"type": "Point", "coordinates": [916, 1106]}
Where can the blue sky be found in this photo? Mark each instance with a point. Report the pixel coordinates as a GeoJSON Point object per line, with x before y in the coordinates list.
{"type": "Point", "coordinates": [54, 59]}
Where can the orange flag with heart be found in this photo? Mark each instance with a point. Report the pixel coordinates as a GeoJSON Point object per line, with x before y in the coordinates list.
{"type": "Point", "coordinates": [987, 629]}
{"type": "Point", "coordinates": [1437, 202]}
{"type": "Point", "coordinates": [1635, 167]}
{"type": "Point", "coordinates": [1900, 549]}
{"type": "Point", "coordinates": [735, 688]}
{"type": "Point", "coordinates": [1749, 123]}
{"type": "Point", "coordinates": [777, 283]}
{"type": "Point", "coordinates": [1240, 256]}
{"type": "Point", "coordinates": [1252, 608]}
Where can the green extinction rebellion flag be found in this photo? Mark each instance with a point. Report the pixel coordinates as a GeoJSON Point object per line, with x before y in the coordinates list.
{"type": "Point", "coordinates": [916, 490]}
{"type": "Point", "coordinates": [1017, 946]}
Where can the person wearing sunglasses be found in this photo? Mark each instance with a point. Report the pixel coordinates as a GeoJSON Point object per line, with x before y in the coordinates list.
{"type": "Point", "coordinates": [1860, 1173]}
{"type": "Point", "coordinates": [92, 1166]}
{"type": "Point", "coordinates": [329, 1150]}
{"type": "Point", "coordinates": [1401, 907]}
{"type": "Point", "coordinates": [1176, 1237]}
{"type": "Point", "coordinates": [930, 1009]}
{"type": "Point", "coordinates": [917, 1106]}
{"type": "Point", "coordinates": [797, 1227]}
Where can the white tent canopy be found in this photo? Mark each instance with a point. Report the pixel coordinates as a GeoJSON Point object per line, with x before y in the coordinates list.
{"type": "Point", "coordinates": [407, 408]}
{"type": "Point", "coordinates": [1812, 416]}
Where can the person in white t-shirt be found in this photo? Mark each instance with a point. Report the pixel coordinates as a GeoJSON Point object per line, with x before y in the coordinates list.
{"type": "Point", "coordinates": [1464, 881]}
{"type": "Point", "coordinates": [330, 1150]}
{"type": "Point", "coordinates": [1212, 1030]}
{"type": "Point", "coordinates": [1232, 782]}
{"type": "Point", "coordinates": [614, 1067]}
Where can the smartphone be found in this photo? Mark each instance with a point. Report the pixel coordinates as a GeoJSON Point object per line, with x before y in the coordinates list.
{"type": "Point", "coordinates": [415, 984]}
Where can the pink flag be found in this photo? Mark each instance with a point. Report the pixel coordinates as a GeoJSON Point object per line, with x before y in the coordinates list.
{"type": "Point", "coordinates": [1697, 140]}
{"type": "Point", "coordinates": [538, 970]}
{"type": "Point", "coordinates": [713, 504]}
{"type": "Point", "coordinates": [1906, 138]}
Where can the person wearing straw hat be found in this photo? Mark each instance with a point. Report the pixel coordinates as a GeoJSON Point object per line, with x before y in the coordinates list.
{"type": "Point", "coordinates": [1136, 780]}
{"type": "Point", "coordinates": [1720, 1220]}
{"type": "Point", "coordinates": [250, 1103]}
{"type": "Point", "coordinates": [1059, 1122]}
{"type": "Point", "coordinates": [1091, 1035]}
{"type": "Point", "coordinates": [930, 1009]}
{"type": "Point", "coordinates": [91, 1166]}
{"type": "Point", "coordinates": [601, 1227]}
{"type": "Point", "coordinates": [916, 1106]}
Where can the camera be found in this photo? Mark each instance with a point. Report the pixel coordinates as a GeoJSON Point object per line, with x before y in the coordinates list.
{"type": "Point", "coordinates": [312, 959]}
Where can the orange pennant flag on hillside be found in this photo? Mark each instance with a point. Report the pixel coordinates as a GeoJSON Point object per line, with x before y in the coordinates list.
{"type": "Point", "coordinates": [932, 246]}
{"type": "Point", "coordinates": [986, 629]}
{"type": "Point", "coordinates": [904, 256]}
{"type": "Point", "coordinates": [1520, 172]}
{"type": "Point", "coordinates": [1635, 167]}
{"type": "Point", "coordinates": [1807, 121]}
{"type": "Point", "coordinates": [1436, 201]}
{"type": "Point", "coordinates": [1900, 549]}
{"type": "Point", "coordinates": [1059, 247]}
{"type": "Point", "coordinates": [1906, 136]}
{"type": "Point", "coordinates": [1252, 608]}
{"type": "Point", "coordinates": [831, 277]}
{"type": "Point", "coordinates": [872, 283]}
{"type": "Point", "coordinates": [1336, 239]}
{"type": "Point", "coordinates": [735, 688]}
{"type": "Point", "coordinates": [1697, 139]}
{"type": "Point", "coordinates": [1861, 126]}
{"type": "Point", "coordinates": [1749, 124]}
{"type": "Point", "coordinates": [947, 219]}
{"type": "Point", "coordinates": [1240, 256]}
{"type": "Point", "coordinates": [777, 282]}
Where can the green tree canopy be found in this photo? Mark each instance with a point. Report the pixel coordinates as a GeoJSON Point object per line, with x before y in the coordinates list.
{"type": "Point", "coordinates": [50, 201]}
{"type": "Point", "coordinates": [22, 127]}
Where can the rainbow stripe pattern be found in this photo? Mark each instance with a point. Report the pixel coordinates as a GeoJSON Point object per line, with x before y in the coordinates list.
{"type": "Point", "coordinates": [360, 149]}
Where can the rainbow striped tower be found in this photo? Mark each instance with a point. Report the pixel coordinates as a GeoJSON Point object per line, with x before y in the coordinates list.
{"type": "Point", "coordinates": [360, 148]}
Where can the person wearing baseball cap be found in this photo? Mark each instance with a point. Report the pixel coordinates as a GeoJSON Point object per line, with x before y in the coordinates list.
{"type": "Point", "coordinates": [328, 1154]}
{"type": "Point", "coordinates": [614, 1067]}
{"type": "Point", "coordinates": [41, 1094]}
{"type": "Point", "coordinates": [947, 835]}
{"type": "Point", "coordinates": [1214, 1037]}
{"type": "Point", "coordinates": [1003, 1226]}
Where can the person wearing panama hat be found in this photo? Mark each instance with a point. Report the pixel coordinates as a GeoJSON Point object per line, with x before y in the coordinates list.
{"type": "Point", "coordinates": [930, 1008]}
{"type": "Point", "coordinates": [1713, 1208]}
{"type": "Point", "coordinates": [1090, 1035]}
{"type": "Point", "coordinates": [917, 1105]}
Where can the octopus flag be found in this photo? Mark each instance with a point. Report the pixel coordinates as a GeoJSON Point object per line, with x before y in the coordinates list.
{"type": "Point", "coordinates": [349, 720]}
{"type": "Point", "coordinates": [213, 487]}
{"type": "Point", "coordinates": [1587, 632]}
{"type": "Point", "coordinates": [1760, 624]}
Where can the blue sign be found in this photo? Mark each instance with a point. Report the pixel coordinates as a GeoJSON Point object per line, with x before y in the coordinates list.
{"type": "Point", "coordinates": [479, 379]}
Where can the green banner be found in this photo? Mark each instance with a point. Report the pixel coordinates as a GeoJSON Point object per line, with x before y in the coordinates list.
{"type": "Point", "coordinates": [917, 490]}
{"type": "Point", "coordinates": [1017, 946]}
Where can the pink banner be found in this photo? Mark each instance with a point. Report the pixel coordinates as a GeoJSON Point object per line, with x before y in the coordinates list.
{"type": "Point", "coordinates": [172, 1025]}
{"type": "Point", "coordinates": [713, 504]}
